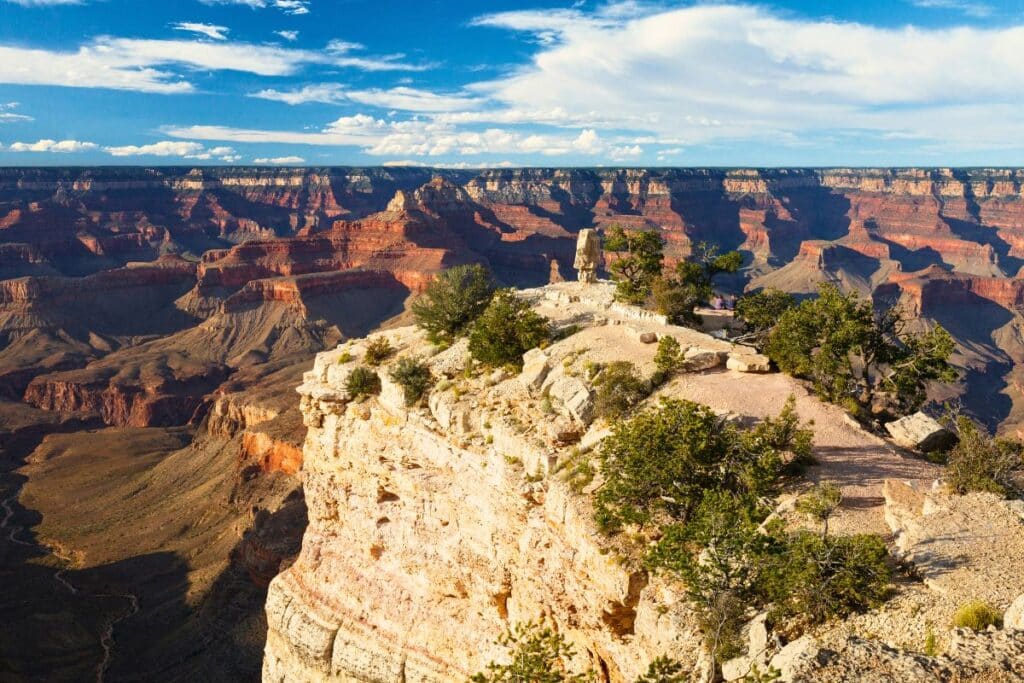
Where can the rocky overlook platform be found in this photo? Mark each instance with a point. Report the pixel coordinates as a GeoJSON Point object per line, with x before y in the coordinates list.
{"type": "Point", "coordinates": [434, 528]}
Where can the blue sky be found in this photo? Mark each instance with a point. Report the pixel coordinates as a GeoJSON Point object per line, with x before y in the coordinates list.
{"type": "Point", "coordinates": [500, 83]}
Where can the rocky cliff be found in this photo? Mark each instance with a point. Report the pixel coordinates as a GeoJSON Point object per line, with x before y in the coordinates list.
{"type": "Point", "coordinates": [434, 528]}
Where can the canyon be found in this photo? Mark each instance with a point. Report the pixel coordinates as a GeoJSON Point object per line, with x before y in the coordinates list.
{"type": "Point", "coordinates": [154, 324]}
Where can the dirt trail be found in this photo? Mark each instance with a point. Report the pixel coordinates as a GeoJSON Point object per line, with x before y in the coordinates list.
{"type": "Point", "coordinates": [854, 459]}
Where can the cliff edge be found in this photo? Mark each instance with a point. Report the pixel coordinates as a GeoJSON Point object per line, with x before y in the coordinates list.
{"type": "Point", "coordinates": [432, 529]}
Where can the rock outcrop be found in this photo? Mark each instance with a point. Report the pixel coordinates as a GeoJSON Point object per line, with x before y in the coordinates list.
{"type": "Point", "coordinates": [920, 432]}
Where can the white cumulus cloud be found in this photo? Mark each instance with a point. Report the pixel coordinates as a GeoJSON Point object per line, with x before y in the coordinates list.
{"type": "Point", "coordinates": [62, 146]}
{"type": "Point", "coordinates": [327, 93]}
{"type": "Point", "coordinates": [165, 148]}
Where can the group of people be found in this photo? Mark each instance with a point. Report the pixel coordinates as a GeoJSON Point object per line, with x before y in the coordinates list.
{"type": "Point", "coordinates": [722, 303]}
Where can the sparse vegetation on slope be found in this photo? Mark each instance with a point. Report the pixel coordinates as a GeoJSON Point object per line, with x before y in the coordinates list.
{"type": "Point", "coordinates": [413, 375]}
{"type": "Point", "coordinates": [702, 488]}
{"type": "Point", "coordinates": [362, 381]}
{"type": "Point", "coordinates": [619, 388]}
{"type": "Point", "coordinates": [977, 615]}
{"type": "Point", "coordinates": [538, 654]}
{"type": "Point", "coordinates": [377, 351]}
{"type": "Point", "coordinates": [979, 462]}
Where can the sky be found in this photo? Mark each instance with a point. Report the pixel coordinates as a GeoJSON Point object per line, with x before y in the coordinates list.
{"type": "Point", "coordinates": [462, 83]}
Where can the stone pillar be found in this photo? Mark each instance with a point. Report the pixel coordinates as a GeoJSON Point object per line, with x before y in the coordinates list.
{"type": "Point", "coordinates": [588, 255]}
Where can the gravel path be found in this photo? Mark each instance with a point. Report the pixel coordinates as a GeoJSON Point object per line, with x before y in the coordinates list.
{"type": "Point", "coordinates": [849, 456]}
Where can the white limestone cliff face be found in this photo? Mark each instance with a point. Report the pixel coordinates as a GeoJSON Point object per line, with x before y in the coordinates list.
{"type": "Point", "coordinates": [433, 529]}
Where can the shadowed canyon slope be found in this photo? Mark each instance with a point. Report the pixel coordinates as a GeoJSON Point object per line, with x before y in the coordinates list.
{"type": "Point", "coordinates": [172, 312]}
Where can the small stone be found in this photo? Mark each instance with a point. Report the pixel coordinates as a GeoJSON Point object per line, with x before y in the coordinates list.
{"type": "Point", "coordinates": [648, 337]}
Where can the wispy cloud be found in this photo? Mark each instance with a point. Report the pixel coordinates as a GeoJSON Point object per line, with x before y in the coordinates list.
{"type": "Point", "coordinates": [290, 36]}
{"type": "Point", "coordinates": [9, 116]}
{"type": "Point", "coordinates": [972, 9]}
{"type": "Point", "coordinates": [173, 148]}
{"type": "Point", "coordinates": [324, 93]}
{"type": "Point", "coordinates": [163, 66]}
{"type": "Point", "coordinates": [209, 30]}
{"type": "Point", "coordinates": [44, 3]}
{"type": "Point", "coordinates": [286, 6]}
{"type": "Point", "coordinates": [400, 98]}
{"type": "Point", "coordinates": [280, 161]}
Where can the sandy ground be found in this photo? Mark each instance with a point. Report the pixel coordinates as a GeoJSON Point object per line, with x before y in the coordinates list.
{"type": "Point", "coordinates": [855, 460]}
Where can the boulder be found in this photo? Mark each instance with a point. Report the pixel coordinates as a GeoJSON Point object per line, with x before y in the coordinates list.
{"type": "Point", "coordinates": [748, 362]}
{"type": "Point", "coordinates": [920, 432]}
{"type": "Point", "coordinates": [581, 406]}
{"type": "Point", "coordinates": [795, 658]}
{"type": "Point", "coordinates": [701, 359]}
{"type": "Point", "coordinates": [1013, 618]}
{"type": "Point", "coordinates": [535, 369]}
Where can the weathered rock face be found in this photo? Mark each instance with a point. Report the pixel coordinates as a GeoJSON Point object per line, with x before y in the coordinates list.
{"type": "Point", "coordinates": [428, 535]}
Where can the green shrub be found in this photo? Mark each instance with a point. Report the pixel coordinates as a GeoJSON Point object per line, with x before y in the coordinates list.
{"type": "Point", "coordinates": [663, 460]}
{"type": "Point", "coordinates": [931, 643]}
{"type": "Point", "coordinates": [676, 300]}
{"type": "Point", "coordinates": [537, 654]}
{"type": "Point", "coordinates": [619, 388]}
{"type": "Point", "coordinates": [980, 463]}
{"type": "Point", "coordinates": [810, 578]}
{"type": "Point", "coordinates": [637, 262]}
{"type": "Point", "coordinates": [452, 301]}
{"type": "Point", "coordinates": [413, 375]}
{"type": "Point", "coordinates": [788, 436]}
{"type": "Point", "coordinates": [977, 615]}
{"type": "Point", "coordinates": [668, 359]}
{"type": "Point", "coordinates": [506, 330]}
{"type": "Point", "coordinates": [677, 296]}
{"type": "Point", "coordinates": [761, 311]}
{"type": "Point", "coordinates": [377, 351]}
{"type": "Point", "coordinates": [345, 357]}
{"type": "Point", "coordinates": [362, 381]}
{"type": "Point", "coordinates": [851, 352]}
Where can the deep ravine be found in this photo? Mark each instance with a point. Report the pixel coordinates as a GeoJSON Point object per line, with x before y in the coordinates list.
{"type": "Point", "coordinates": [107, 637]}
